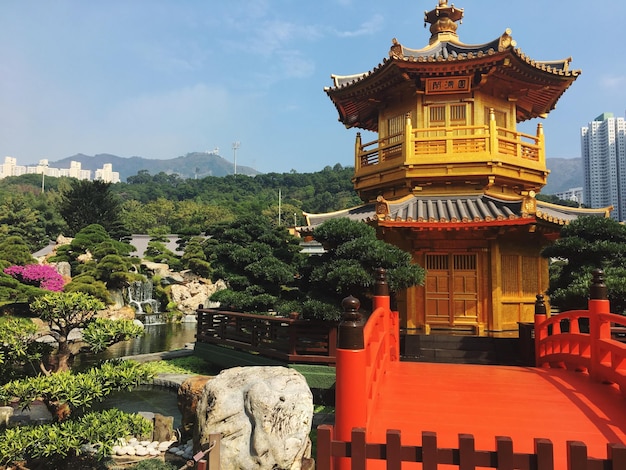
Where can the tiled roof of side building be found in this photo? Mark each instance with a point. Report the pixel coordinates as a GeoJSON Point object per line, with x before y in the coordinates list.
{"type": "Point", "coordinates": [483, 209]}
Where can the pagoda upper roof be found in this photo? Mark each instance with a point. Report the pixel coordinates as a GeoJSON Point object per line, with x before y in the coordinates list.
{"type": "Point", "coordinates": [441, 212]}
{"type": "Point", "coordinates": [497, 68]}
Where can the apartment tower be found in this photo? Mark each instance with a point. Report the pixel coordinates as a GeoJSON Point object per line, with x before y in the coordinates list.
{"type": "Point", "coordinates": [603, 150]}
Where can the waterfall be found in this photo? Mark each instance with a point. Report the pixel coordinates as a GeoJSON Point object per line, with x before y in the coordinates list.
{"type": "Point", "coordinates": [140, 298]}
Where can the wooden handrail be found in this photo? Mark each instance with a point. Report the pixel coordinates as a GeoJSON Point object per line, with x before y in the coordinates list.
{"type": "Point", "coordinates": [286, 339]}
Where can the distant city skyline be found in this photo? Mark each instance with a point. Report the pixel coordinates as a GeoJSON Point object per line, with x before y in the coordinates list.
{"type": "Point", "coordinates": [159, 79]}
{"type": "Point", "coordinates": [11, 168]}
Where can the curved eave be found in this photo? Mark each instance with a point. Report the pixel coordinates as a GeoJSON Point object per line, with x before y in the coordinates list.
{"type": "Point", "coordinates": [450, 49]}
{"type": "Point", "coordinates": [456, 213]}
{"type": "Point", "coordinates": [359, 213]}
{"type": "Point", "coordinates": [535, 85]}
{"type": "Point", "coordinates": [563, 215]}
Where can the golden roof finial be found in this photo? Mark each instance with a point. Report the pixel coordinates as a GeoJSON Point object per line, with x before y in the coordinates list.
{"type": "Point", "coordinates": [443, 19]}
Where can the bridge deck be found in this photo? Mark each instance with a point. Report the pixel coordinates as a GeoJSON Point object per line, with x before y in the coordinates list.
{"type": "Point", "coordinates": [489, 401]}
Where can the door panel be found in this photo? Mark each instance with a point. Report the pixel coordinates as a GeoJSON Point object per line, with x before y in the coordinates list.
{"type": "Point", "coordinates": [452, 289]}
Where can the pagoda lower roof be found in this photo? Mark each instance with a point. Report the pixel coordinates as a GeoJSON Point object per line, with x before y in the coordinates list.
{"type": "Point", "coordinates": [449, 211]}
{"type": "Point", "coordinates": [497, 66]}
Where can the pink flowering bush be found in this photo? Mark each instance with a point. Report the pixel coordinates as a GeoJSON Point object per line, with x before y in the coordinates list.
{"type": "Point", "coordinates": [43, 276]}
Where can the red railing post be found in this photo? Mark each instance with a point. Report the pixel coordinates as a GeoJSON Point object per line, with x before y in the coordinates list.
{"type": "Point", "coordinates": [541, 333]}
{"type": "Point", "coordinates": [598, 329]}
{"type": "Point", "coordinates": [382, 300]}
{"type": "Point", "coordinates": [350, 384]}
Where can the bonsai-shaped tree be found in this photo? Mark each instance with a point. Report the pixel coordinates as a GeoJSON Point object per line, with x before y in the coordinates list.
{"type": "Point", "coordinates": [67, 311]}
{"type": "Point", "coordinates": [348, 267]}
{"type": "Point", "coordinates": [98, 262]}
{"type": "Point", "coordinates": [586, 244]}
{"type": "Point", "coordinates": [259, 261]}
{"type": "Point", "coordinates": [265, 270]}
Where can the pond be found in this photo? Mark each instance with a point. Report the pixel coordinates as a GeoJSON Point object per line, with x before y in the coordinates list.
{"type": "Point", "coordinates": [157, 338]}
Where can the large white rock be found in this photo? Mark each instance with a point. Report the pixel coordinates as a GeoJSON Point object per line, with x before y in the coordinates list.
{"type": "Point", "coordinates": [264, 415]}
{"type": "Point", "coordinates": [193, 292]}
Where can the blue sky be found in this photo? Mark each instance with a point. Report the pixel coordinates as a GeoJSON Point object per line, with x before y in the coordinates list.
{"type": "Point", "coordinates": [161, 78]}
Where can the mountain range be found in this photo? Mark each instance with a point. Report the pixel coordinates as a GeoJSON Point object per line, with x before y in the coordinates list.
{"type": "Point", "coordinates": [565, 173]}
{"type": "Point", "coordinates": [192, 165]}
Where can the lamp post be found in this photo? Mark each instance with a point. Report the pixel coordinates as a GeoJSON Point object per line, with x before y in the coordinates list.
{"type": "Point", "coordinates": [44, 169]}
{"type": "Point", "coordinates": [236, 146]}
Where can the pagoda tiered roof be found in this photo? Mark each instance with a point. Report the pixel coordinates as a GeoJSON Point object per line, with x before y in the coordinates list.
{"type": "Point", "coordinates": [496, 67]}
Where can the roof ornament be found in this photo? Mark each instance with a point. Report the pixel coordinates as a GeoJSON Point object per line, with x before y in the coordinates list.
{"type": "Point", "coordinates": [443, 20]}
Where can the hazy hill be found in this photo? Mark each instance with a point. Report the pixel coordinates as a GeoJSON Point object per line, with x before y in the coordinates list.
{"type": "Point", "coordinates": [565, 173]}
{"type": "Point", "coordinates": [193, 164]}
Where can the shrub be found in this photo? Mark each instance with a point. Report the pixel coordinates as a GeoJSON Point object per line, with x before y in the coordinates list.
{"type": "Point", "coordinates": [43, 276]}
{"type": "Point", "coordinates": [60, 441]}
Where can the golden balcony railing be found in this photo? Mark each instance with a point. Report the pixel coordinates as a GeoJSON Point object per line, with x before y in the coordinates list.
{"type": "Point", "coordinates": [451, 145]}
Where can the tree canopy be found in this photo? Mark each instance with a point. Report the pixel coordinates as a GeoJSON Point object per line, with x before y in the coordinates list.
{"type": "Point", "coordinates": [265, 270]}
{"type": "Point", "coordinates": [586, 244]}
{"type": "Point", "coordinates": [92, 202]}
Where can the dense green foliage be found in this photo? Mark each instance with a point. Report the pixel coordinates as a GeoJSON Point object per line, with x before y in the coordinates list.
{"type": "Point", "coordinates": [19, 352]}
{"type": "Point", "coordinates": [260, 262]}
{"type": "Point", "coordinates": [176, 205]}
{"type": "Point", "coordinates": [265, 270]}
{"type": "Point", "coordinates": [586, 244]}
{"type": "Point", "coordinates": [53, 444]}
{"type": "Point", "coordinates": [353, 253]}
{"type": "Point", "coordinates": [97, 262]}
{"type": "Point", "coordinates": [65, 392]}
{"type": "Point", "coordinates": [92, 202]}
{"type": "Point", "coordinates": [104, 332]}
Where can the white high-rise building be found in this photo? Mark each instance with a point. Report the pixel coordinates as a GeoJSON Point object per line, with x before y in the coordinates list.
{"type": "Point", "coordinates": [603, 149]}
{"type": "Point", "coordinates": [107, 174]}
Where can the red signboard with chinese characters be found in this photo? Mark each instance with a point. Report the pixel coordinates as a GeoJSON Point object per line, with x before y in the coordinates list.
{"type": "Point", "coordinates": [447, 85]}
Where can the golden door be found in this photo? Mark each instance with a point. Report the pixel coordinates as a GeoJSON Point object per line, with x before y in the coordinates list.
{"type": "Point", "coordinates": [451, 290]}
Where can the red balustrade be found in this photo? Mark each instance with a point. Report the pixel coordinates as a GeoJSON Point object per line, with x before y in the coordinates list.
{"type": "Point", "coordinates": [363, 353]}
{"type": "Point", "coordinates": [561, 342]}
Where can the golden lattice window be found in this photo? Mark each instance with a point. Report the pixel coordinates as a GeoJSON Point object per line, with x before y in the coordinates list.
{"type": "Point", "coordinates": [458, 114]}
{"type": "Point", "coordinates": [438, 116]}
{"type": "Point", "coordinates": [395, 128]}
{"type": "Point", "coordinates": [520, 275]}
{"type": "Point", "coordinates": [437, 262]}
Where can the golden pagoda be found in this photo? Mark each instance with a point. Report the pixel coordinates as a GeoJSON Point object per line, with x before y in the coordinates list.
{"type": "Point", "coordinates": [449, 177]}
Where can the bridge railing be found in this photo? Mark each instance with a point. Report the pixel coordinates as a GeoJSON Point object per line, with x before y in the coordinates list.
{"type": "Point", "coordinates": [582, 339]}
{"type": "Point", "coordinates": [291, 340]}
{"type": "Point", "coordinates": [465, 456]}
{"type": "Point", "coordinates": [364, 352]}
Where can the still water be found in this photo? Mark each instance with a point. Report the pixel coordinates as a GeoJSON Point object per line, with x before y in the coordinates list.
{"type": "Point", "coordinates": [156, 338]}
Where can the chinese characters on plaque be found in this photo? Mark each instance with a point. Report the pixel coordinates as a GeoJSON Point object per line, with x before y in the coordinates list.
{"type": "Point", "coordinates": [447, 85]}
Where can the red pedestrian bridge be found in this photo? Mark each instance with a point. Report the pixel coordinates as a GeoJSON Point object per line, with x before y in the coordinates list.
{"type": "Point", "coordinates": [568, 413]}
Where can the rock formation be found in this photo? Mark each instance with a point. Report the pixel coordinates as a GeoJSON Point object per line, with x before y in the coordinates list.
{"type": "Point", "coordinates": [264, 415]}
